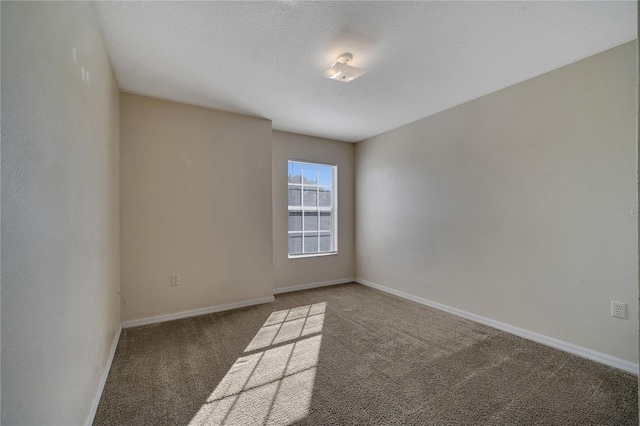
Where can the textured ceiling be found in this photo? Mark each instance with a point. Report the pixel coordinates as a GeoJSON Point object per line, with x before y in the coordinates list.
{"type": "Point", "coordinates": [266, 59]}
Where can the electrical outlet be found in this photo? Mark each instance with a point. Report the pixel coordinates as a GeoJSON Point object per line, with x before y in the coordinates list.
{"type": "Point", "coordinates": [368, 259]}
{"type": "Point", "coordinates": [618, 309]}
{"type": "Point", "coordinates": [175, 280]}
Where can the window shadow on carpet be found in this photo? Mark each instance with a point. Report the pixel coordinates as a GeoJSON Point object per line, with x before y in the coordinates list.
{"type": "Point", "coordinates": [273, 383]}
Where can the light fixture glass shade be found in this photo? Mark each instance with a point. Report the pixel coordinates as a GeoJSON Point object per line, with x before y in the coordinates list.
{"type": "Point", "coordinates": [343, 72]}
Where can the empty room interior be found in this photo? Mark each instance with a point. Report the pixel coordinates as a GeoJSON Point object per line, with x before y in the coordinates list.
{"type": "Point", "coordinates": [319, 213]}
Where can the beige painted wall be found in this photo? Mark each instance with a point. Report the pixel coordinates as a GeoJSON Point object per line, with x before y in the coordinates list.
{"type": "Point", "coordinates": [196, 202]}
{"type": "Point", "coordinates": [291, 272]}
{"type": "Point", "coordinates": [60, 238]}
{"type": "Point", "coordinates": [507, 206]}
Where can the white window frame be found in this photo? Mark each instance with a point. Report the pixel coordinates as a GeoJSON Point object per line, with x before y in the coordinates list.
{"type": "Point", "coordinates": [333, 209]}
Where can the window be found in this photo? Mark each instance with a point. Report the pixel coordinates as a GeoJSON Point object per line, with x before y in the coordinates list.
{"type": "Point", "coordinates": [312, 209]}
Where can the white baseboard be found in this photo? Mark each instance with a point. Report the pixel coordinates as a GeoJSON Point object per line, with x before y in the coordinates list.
{"type": "Point", "coordinates": [195, 312]}
{"type": "Point", "coordinates": [96, 399]}
{"type": "Point", "coordinates": [312, 285]}
{"type": "Point", "coordinates": [609, 360]}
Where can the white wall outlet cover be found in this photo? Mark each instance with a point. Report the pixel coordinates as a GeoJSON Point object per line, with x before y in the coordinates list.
{"type": "Point", "coordinates": [618, 309]}
{"type": "Point", "coordinates": [175, 279]}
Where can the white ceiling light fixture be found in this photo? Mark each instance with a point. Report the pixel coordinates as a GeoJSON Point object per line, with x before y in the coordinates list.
{"type": "Point", "coordinates": [342, 71]}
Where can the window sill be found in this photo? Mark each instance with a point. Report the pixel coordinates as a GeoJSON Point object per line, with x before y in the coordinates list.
{"type": "Point", "coordinates": [300, 256]}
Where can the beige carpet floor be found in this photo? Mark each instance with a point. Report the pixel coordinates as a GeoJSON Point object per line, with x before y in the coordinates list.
{"type": "Point", "coordinates": [348, 354]}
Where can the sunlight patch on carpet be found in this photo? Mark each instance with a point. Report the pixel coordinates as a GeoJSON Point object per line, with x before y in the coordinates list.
{"type": "Point", "coordinates": [273, 386]}
{"type": "Point", "coordinates": [289, 324]}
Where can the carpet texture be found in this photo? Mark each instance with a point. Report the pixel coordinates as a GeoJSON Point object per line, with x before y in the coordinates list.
{"type": "Point", "coordinates": [348, 354]}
